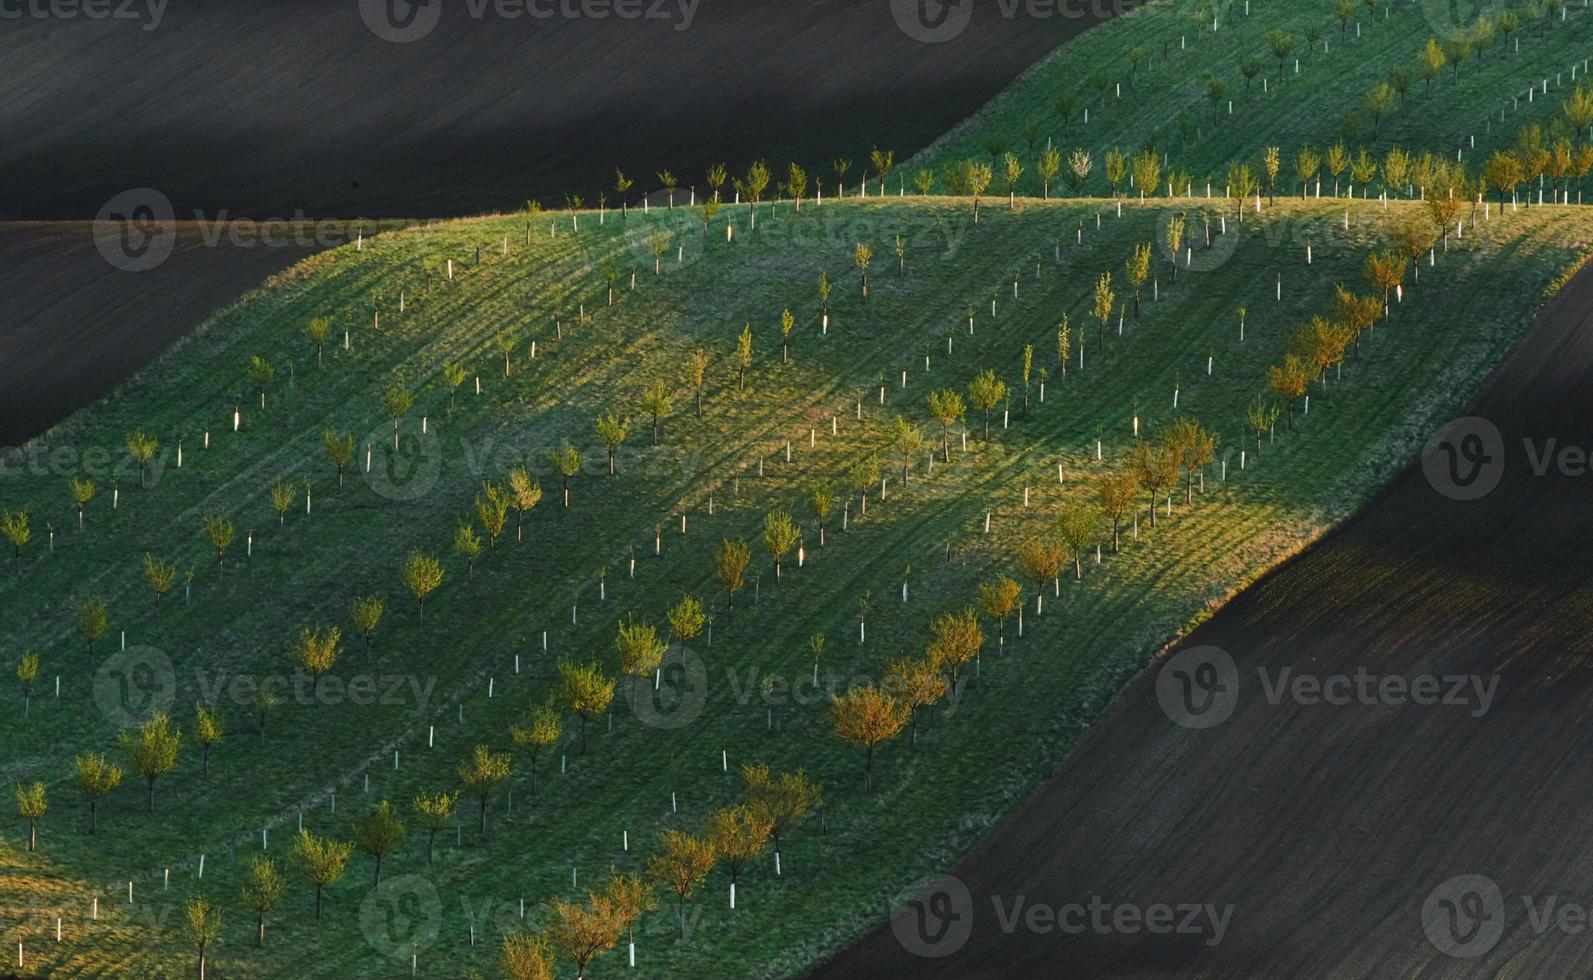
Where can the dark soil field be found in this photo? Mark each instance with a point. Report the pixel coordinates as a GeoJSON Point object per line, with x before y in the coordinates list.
{"type": "Point", "coordinates": [311, 113]}
{"type": "Point", "coordinates": [272, 109]}
{"type": "Point", "coordinates": [72, 325]}
{"type": "Point", "coordinates": [1334, 831]}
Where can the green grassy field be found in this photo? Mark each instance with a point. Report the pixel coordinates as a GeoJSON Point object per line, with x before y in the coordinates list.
{"type": "Point", "coordinates": [1012, 723]}
{"type": "Point", "coordinates": [1164, 101]}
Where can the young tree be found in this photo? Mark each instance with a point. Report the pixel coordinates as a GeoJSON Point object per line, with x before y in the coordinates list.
{"type": "Point", "coordinates": [863, 476]}
{"type": "Point", "coordinates": [261, 374]}
{"type": "Point", "coordinates": [1306, 164]}
{"type": "Point", "coordinates": [923, 181]}
{"type": "Point", "coordinates": [318, 330]}
{"type": "Point", "coordinates": [1102, 308]}
{"type": "Point", "coordinates": [947, 408]}
{"type": "Point", "coordinates": [862, 257]}
{"type": "Point", "coordinates": [716, 177]}
{"type": "Point", "coordinates": [696, 371]}
{"type": "Point", "coordinates": [1147, 169]}
{"type": "Point", "coordinates": [1430, 61]}
{"type": "Point", "coordinates": [421, 575]}
{"type": "Point", "coordinates": [524, 494]}
{"type": "Point", "coordinates": [1114, 494]}
{"type": "Point", "coordinates": [339, 448]}
{"type": "Point", "coordinates": [730, 559]}
{"type": "Point", "coordinates": [787, 322]}
{"type": "Point", "coordinates": [321, 860]}
{"type": "Point", "coordinates": [685, 619]}
{"type": "Point", "coordinates": [32, 805]}
{"type": "Point", "coordinates": [208, 731]}
{"type": "Point", "coordinates": [1241, 182]}
{"type": "Point", "coordinates": [468, 544]}
{"type": "Point", "coordinates": [525, 957]}
{"type": "Point", "coordinates": [283, 496]}
{"type": "Point", "coordinates": [584, 691]}
{"type": "Point", "coordinates": [1077, 526]}
{"type": "Point", "coordinates": [316, 651]}
{"type": "Point", "coordinates": [985, 391]}
{"type": "Point", "coordinates": [141, 447]}
{"type": "Point", "coordinates": [739, 833]}
{"type": "Point", "coordinates": [219, 531]}
{"type": "Point", "coordinates": [916, 683]}
{"type": "Point", "coordinates": [96, 777]}
{"type": "Point", "coordinates": [640, 651]}
{"type": "Point", "coordinates": [1261, 416]}
{"type": "Point", "coordinates": [492, 510]}
{"type": "Point", "coordinates": [611, 432]}
{"type": "Point", "coordinates": [1012, 169]}
{"type": "Point", "coordinates": [1193, 445]}
{"type": "Point", "coordinates": [783, 799]}
{"type": "Point", "coordinates": [1215, 91]}
{"type": "Point", "coordinates": [1281, 43]}
{"type": "Point", "coordinates": [1155, 468]}
{"type": "Point", "coordinates": [263, 890]}
{"type": "Point", "coordinates": [201, 924]}
{"type": "Point", "coordinates": [582, 931]}
{"type": "Point", "coordinates": [1174, 236]}
{"type": "Point", "coordinates": [567, 461]}
{"type": "Point", "coordinates": [627, 898]}
{"type": "Point", "coordinates": [1115, 164]}
{"type": "Point", "coordinates": [780, 535]}
{"type": "Point", "coordinates": [160, 575]}
{"type": "Point", "coordinates": [396, 401]}
{"type": "Point", "coordinates": [90, 620]}
{"type": "Point", "coordinates": [540, 733]}
{"type": "Point", "coordinates": [27, 673]}
{"type": "Point", "coordinates": [434, 809]}
{"type": "Point", "coordinates": [1357, 313]}
{"type": "Point", "coordinates": [796, 184]}
{"type": "Point", "coordinates": [657, 245]}
{"type": "Point", "coordinates": [453, 375]}
{"type": "Point", "coordinates": [379, 832]}
{"type": "Point", "coordinates": [820, 501]}
{"type": "Point", "coordinates": [1362, 170]}
{"type": "Point", "coordinates": [82, 492]}
{"type": "Point", "coordinates": [909, 441]}
{"type": "Point", "coordinates": [367, 613]}
{"type": "Point", "coordinates": [956, 639]}
{"type": "Point", "coordinates": [151, 751]}
{"type": "Point", "coordinates": [1337, 160]}
{"type": "Point", "coordinates": [1503, 171]}
{"type": "Point", "coordinates": [743, 356]}
{"type": "Point", "coordinates": [655, 402]}
{"type": "Point", "coordinates": [865, 717]}
{"type": "Point", "coordinates": [1320, 344]}
{"type": "Point", "coordinates": [1046, 168]}
{"type": "Point", "coordinates": [999, 599]}
{"type": "Point", "coordinates": [682, 865]}
{"type": "Point", "coordinates": [1137, 265]}
{"type": "Point", "coordinates": [481, 772]}
{"type": "Point", "coordinates": [1288, 381]}
{"type": "Point", "coordinates": [752, 187]}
